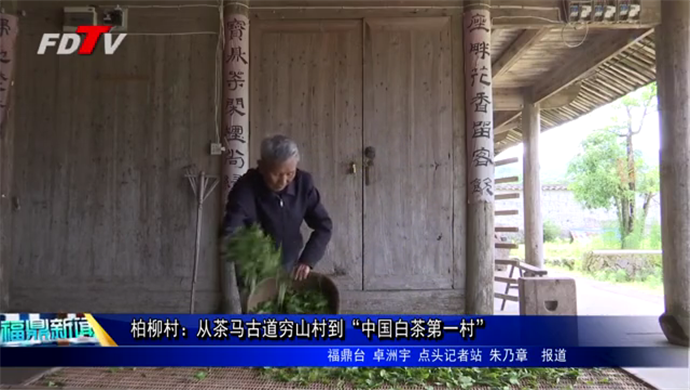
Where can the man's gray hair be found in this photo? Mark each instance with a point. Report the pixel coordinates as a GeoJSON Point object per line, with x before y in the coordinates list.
{"type": "Point", "coordinates": [279, 148]}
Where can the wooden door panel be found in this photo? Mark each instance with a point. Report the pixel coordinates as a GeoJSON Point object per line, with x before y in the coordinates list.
{"type": "Point", "coordinates": [408, 201]}
{"type": "Point", "coordinates": [306, 81]}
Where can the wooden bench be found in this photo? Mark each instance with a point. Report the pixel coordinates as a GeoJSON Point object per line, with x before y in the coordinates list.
{"type": "Point", "coordinates": [524, 269]}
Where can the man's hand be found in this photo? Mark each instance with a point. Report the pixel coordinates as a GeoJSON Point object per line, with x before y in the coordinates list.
{"type": "Point", "coordinates": [301, 272]}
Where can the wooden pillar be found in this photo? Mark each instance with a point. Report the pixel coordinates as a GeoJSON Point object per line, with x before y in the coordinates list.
{"type": "Point", "coordinates": [235, 132]}
{"type": "Point", "coordinates": [673, 78]}
{"type": "Point", "coordinates": [235, 94]}
{"type": "Point", "coordinates": [479, 291]}
{"type": "Point", "coordinates": [534, 229]}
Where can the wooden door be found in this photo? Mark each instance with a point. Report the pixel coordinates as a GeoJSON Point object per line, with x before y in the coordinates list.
{"type": "Point", "coordinates": [306, 79]}
{"type": "Point", "coordinates": [408, 202]}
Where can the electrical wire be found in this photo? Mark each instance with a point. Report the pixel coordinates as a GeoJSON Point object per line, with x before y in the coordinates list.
{"type": "Point", "coordinates": [568, 23]}
{"type": "Point", "coordinates": [584, 38]}
{"type": "Point", "coordinates": [219, 70]}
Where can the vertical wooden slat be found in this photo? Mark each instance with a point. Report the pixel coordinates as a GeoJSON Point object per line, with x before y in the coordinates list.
{"type": "Point", "coordinates": [103, 119]}
{"type": "Point", "coordinates": [7, 127]}
{"type": "Point", "coordinates": [203, 122]}
{"type": "Point", "coordinates": [66, 262]}
{"type": "Point", "coordinates": [184, 208]}
{"type": "Point", "coordinates": [459, 158]}
{"type": "Point", "coordinates": [156, 164]}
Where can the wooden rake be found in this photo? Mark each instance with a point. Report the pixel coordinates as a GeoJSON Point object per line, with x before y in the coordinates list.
{"type": "Point", "coordinates": [203, 186]}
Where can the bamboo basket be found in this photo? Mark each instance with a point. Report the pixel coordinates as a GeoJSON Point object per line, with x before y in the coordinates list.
{"type": "Point", "coordinates": [267, 290]}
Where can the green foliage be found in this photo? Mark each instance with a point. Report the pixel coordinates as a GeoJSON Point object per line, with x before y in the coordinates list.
{"type": "Point", "coordinates": [563, 256]}
{"type": "Point", "coordinates": [257, 258]}
{"type": "Point", "coordinates": [602, 175]}
{"type": "Point", "coordinates": [551, 231]}
{"type": "Point", "coordinates": [296, 302]}
{"type": "Point", "coordinates": [254, 254]}
{"type": "Point", "coordinates": [452, 378]}
{"type": "Point", "coordinates": [594, 171]}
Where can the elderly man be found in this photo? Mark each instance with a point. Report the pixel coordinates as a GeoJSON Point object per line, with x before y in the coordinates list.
{"type": "Point", "coordinates": [279, 197]}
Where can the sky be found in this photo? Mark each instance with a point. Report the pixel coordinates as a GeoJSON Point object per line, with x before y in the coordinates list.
{"type": "Point", "coordinates": [560, 144]}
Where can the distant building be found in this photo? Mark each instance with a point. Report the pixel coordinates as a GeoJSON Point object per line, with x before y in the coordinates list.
{"type": "Point", "coordinates": [560, 207]}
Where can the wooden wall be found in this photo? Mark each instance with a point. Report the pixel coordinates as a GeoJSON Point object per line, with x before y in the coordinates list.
{"type": "Point", "coordinates": [6, 163]}
{"type": "Point", "coordinates": [106, 220]}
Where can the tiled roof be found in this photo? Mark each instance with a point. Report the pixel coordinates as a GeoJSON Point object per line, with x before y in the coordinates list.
{"type": "Point", "coordinates": [518, 187]}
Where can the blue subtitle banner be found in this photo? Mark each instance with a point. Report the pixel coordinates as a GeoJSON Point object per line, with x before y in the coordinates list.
{"type": "Point", "coordinates": [141, 340]}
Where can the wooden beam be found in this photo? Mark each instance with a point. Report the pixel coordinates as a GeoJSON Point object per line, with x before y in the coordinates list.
{"type": "Point", "coordinates": [507, 196]}
{"type": "Point", "coordinates": [502, 279]}
{"type": "Point", "coordinates": [514, 262]}
{"type": "Point", "coordinates": [506, 212]}
{"type": "Point", "coordinates": [500, 137]}
{"type": "Point", "coordinates": [506, 229]}
{"type": "Point", "coordinates": [520, 46]}
{"type": "Point", "coordinates": [512, 99]}
{"type": "Point", "coordinates": [587, 59]}
{"type": "Point", "coordinates": [501, 118]}
{"type": "Point", "coordinates": [510, 179]}
{"type": "Point", "coordinates": [505, 14]}
{"type": "Point", "coordinates": [506, 161]}
{"type": "Point", "coordinates": [506, 297]}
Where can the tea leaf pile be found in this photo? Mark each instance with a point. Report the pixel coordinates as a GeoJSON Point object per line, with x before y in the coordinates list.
{"type": "Point", "coordinates": [257, 258]}
{"type": "Point", "coordinates": [296, 302]}
{"type": "Point", "coordinates": [426, 378]}
{"type": "Point", "coordinates": [254, 254]}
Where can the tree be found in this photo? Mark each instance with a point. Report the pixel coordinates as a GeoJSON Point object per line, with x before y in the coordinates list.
{"type": "Point", "coordinates": [608, 172]}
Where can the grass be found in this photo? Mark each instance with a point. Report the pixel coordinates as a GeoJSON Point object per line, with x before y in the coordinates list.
{"type": "Point", "coordinates": [560, 249]}
{"type": "Point", "coordinates": [652, 285]}
{"type": "Point", "coordinates": [452, 378]}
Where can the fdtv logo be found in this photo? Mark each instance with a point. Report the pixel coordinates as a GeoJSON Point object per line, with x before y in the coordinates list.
{"type": "Point", "coordinates": [69, 43]}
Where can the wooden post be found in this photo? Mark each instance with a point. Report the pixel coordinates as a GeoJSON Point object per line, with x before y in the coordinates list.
{"type": "Point", "coordinates": [235, 94]}
{"type": "Point", "coordinates": [235, 122]}
{"type": "Point", "coordinates": [673, 77]}
{"type": "Point", "coordinates": [534, 229]}
{"type": "Point", "coordinates": [479, 292]}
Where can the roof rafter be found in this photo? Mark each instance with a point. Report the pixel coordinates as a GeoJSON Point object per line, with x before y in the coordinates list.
{"type": "Point", "coordinates": [589, 58]}
{"type": "Point", "coordinates": [517, 49]}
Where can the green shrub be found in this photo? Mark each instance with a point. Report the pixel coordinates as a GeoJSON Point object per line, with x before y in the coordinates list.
{"type": "Point", "coordinates": [551, 231]}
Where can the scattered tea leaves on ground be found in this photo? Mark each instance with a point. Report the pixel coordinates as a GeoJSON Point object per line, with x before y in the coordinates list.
{"type": "Point", "coordinates": [453, 378]}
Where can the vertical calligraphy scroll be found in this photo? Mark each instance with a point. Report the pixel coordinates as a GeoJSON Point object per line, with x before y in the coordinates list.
{"type": "Point", "coordinates": [235, 96]}
{"type": "Point", "coordinates": [9, 28]}
{"type": "Point", "coordinates": [479, 110]}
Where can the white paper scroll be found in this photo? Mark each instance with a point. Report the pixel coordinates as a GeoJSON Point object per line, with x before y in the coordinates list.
{"type": "Point", "coordinates": [235, 100]}
{"type": "Point", "coordinates": [479, 109]}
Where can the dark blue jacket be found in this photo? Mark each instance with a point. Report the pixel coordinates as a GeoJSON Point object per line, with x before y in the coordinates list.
{"type": "Point", "coordinates": [281, 215]}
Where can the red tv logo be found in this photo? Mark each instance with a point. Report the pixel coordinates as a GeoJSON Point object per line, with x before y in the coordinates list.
{"type": "Point", "coordinates": [69, 43]}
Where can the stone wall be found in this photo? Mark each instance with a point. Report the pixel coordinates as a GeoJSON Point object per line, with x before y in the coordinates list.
{"type": "Point", "coordinates": [635, 264]}
{"type": "Point", "coordinates": [559, 206]}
